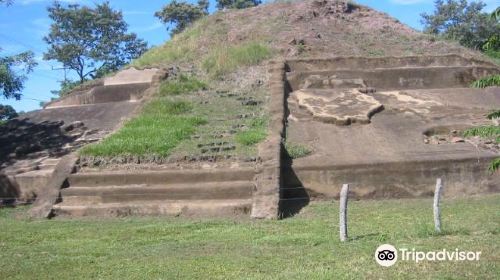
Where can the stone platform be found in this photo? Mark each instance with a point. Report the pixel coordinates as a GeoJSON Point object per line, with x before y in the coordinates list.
{"type": "Point", "coordinates": [388, 126]}
{"type": "Point", "coordinates": [32, 145]}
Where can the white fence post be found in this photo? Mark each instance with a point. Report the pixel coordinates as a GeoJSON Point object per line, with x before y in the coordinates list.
{"type": "Point", "coordinates": [343, 212]}
{"type": "Point", "coordinates": [437, 211]}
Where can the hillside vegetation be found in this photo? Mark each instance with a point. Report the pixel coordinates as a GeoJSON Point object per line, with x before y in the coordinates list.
{"type": "Point", "coordinates": [227, 39]}
{"type": "Point", "coordinates": [227, 53]}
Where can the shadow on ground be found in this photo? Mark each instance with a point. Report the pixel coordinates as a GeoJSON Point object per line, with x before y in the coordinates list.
{"type": "Point", "coordinates": [293, 195]}
{"type": "Point", "coordinates": [8, 191]}
{"type": "Point", "coordinates": [24, 139]}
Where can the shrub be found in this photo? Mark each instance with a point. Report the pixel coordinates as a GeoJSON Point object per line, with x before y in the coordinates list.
{"type": "Point", "coordinates": [494, 115]}
{"type": "Point", "coordinates": [494, 165]}
{"type": "Point", "coordinates": [297, 150]}
{"type": "Point", "coordinates": [490, 81]}
{"type": "Point", "coordinates": [483, 131]}
{"type": "Point", "coordinates": [184, 84]}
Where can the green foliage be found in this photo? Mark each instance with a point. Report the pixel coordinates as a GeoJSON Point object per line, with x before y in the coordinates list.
{"type": "Point", "coordinates": [256, 133]}
{"type": "Point", "coordinates": [495, 15]}
{"type": "Point", "coordinates": [461, 21]}
{"type": "Point", "coordinates": [492, 44]}
{"type": "Point", "coordinates": [490, 81]}
{"type": "Point", "coordinates": [7, 112]}
{"type": "Point", "coordinates": [182, 14]}
{"type": "Point", "coordinates": [237, 4]}
{"type": "Point", "coordinates": [91, 42]}
{"type": "Point", "coordinates": [12, 73]}
{"type": "Point", "coordinates": [160, 127]}
{"type": "Point", "coordinates": [66, 87]}
{"type": "Point", "coordinates": [297, 150]}
{"type": "Point", "coordinates": [494, 165]}
{"type": "Point", "coordinates": [184, 84]}
{"type": "Point", "coordinates": [483, 131]}
{"type": "Point", "coordinates": [180, 48]}
{"type": "Point", "coordinates": [225, 59]}
{"type": "Point", "coordinates": [494, 115]}
{"type": "Point", "coordinates": [6, 2]}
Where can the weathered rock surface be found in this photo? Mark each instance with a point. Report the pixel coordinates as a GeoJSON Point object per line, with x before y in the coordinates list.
{"type": "Point", "coordinates": [341, 107]}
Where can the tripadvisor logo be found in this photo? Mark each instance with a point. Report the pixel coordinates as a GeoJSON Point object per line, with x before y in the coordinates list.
{"type": "Point", "coordinates": [387, 255]}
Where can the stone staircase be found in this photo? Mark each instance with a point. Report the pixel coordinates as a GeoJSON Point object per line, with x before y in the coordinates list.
{"type": "Point", "coordinates": [208, 193]}
{"type": "Point", "coordinates": [27, 176]}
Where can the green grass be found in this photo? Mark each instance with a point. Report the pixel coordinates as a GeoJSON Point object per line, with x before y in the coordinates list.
{"type": "Point", "coordinates": [488, 131]}
{"type": "Point", "coordinates": [494, 165]}
{"type": "Point", "coordinates": [494, 115]}
{"type": "Point", "coordinates": [303, 247]}
{"type": "Point", "coordinates": [223, 59]}
{"type": "Point", "coordinates": [181, 48]}
{"type": "Point", "coordinates": [494, 55]}
{"type": "Point", "coordinates": [160, 127]}
{"type": "Point", "coordinates": [297, 150]}
{"type": "Point", "coordinates": [2, 122]}
{"type": "Point", "coordinates": [184, 84]}
{"type": "Point", "coordinates": [484, 132]}
{"type": "Point", "coordinates": [256, 133]}
{"type": "Point", "coordinates": [205, 44]}
{"type": "Point", "coordinates": [490, 81]}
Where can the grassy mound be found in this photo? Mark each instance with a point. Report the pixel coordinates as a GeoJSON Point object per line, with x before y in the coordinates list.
{"type": "Point", "coordinates": [303, 247]}
{"type": "Point", "coordinates": [187, 119]}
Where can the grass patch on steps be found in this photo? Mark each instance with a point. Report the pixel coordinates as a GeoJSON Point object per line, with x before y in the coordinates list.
{"type": "Point", "coordinates": [161, 126]}
{"type": "Point", "coordinates": [183, 85]}
{"type": "Point", "coordinates": [256, 132]}
{"type": "Point", "coordinates": [490, 81]}
{"type": "Point", "coordinates": [189, 119]}
{"type": "Point", "coordinates": [305, 246]}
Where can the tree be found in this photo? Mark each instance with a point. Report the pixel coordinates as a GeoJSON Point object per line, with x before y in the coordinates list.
{"type": "Point", "coordinates": [492, 45]}
{"type": "Point", "coordinates": [11, 82]}
{"type": "Point", "coordinates": [461, 21]}
{"type": "Point", "coordinates": [495, 15]}
{"type": "Point", "coordinates": [66, 87]}
{"type": "Point", "coordinates": [181, 14]}
{"type": "Point", "coordinates": [91, 42]}
{"type": "Point", "coordinates": [7, 112]}
{"type": "Point", "coordinates": [6, 2]}
{"type": "Point", "coordinates": [237, 4]}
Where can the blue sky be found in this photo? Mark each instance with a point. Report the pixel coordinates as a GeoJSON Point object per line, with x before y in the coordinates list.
{"type": "Point", "coordinates": [23, 25]}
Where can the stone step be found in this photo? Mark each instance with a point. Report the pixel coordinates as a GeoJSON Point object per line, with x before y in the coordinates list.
{"type": "Point", "coordinates": [51, 161]}
{"type": "Point", "coordinates": [29, 183]}
{"type": "Point", "coordinates": [199, 191]}
{"type": "Point", "coordinates": [159, 177]}
{"type": "Point", "coordinates": [399, 78]}
{"type": "Point", "coordinates": [194, 208]}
